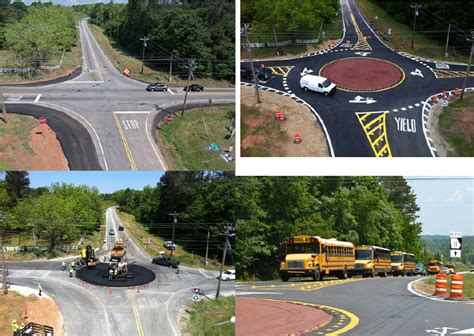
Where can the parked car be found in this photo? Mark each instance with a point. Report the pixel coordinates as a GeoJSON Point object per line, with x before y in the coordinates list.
{"type": "Point", "coordinates": [317, 84]}
{"type": "Point", "coordinates": [194, 88]}
{"type": "Point", "coordinates": [169, 245]}
{"type": "Point", "coordinates": [121, 228]}
{"type": "Point", "coordinates": [446, 270]}
{"type": "Point", "coordinates": [228, 275]}
{"type": "Point", "coordinates": [263, 74]}
{"type": "Point", "coordinates": [165, 261]}
{"type": "Point", "coordinates": [111, 232]}
{"type": "Point", "coordinates": [421, 270]}
{"type": "Point", "coordinates": [157, 87]}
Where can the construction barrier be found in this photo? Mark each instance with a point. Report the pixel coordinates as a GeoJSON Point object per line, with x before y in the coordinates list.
{"type": "Point", "coordinates": [457, 286]}
{"type": "Point", "coordinates": [441, 284]}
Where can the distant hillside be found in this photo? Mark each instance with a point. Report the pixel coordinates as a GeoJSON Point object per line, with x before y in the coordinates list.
{"type": "Point", "coordinates": [439, 246]}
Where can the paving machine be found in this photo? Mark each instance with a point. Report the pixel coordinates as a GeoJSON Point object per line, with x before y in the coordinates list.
{"type": "Point", "coordinates": [88, 257]}
{"type": "Point", "coordinates": [118, 271]}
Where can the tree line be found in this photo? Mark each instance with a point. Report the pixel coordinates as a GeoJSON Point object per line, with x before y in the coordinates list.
{"type": "Point", "coordinates": [438, 246]}
{"type": "Point", "coordinates": [363, 210]}
{"type": "Point", "coordinates": [203, 202]}
{"type": "Point", "coordinates": [38, 32]}
{"type": "Point", "coordinates": [59, 214]}
{"type": "Point", "coordinates": [199, 29]}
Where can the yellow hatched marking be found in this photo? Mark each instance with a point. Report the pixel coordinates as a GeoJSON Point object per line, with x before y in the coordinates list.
{"type": "Point", "coordinates": [362, 43]}
{"type": "Point", "coordinates": [451, 73]}
{"type": "Point", "coordinates": [378, 142]}
{"type": "Point", "coordinates": [281, 70]}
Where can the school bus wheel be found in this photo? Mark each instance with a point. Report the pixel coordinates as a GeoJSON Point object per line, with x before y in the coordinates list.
{"type": "Point", "coordinates": [284, 277]}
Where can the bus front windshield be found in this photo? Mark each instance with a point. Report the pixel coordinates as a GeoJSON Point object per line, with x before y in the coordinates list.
{"type": "Point", "coordinates": [363, 255]}
{"type": "Point", "coordinates": [397, 259]}
{"type": "Point", "coordinates": [302, 248]}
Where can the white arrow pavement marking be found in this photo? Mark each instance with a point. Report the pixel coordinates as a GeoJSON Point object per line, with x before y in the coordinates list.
{"type": "Point", "coordinates": [464, 332]}
{"type": "Point", "coordinates": [306, 71]}
{"type": "Point", "coordinates": [363, 54]}
{"type": "Point", "coordinates": [360, 99]}
{"type": "Point", "coordinates": [417, 72]}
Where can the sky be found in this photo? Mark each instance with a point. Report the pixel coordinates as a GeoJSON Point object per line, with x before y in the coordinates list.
{"type": "Point", "coordinates": [446, 204]}
{"type": "Point", "coordinates": [105, 181]}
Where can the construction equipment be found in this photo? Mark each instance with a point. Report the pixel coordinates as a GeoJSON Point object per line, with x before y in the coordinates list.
{"type": "Point", "coordinates": [118, 251]}
{"type": "Point", "coordinates": [88, 257]}
{"type": "Point", "coordinates": [118, 271]}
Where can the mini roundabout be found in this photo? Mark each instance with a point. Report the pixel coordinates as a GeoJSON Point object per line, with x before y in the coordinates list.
{"type": "Point", "coordinates": [116, 275]}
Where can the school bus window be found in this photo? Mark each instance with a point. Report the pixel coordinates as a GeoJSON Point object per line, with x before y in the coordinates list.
{"type": "Point", "coordinates": [303, 248]}
{"type": "Point", "coordinates": [397, 258]}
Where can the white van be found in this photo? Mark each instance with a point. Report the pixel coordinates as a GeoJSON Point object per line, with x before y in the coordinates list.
{"type": "Point", "coordinates": [228, 275]}
{"type": "Point", "coordinates": [317, 84]}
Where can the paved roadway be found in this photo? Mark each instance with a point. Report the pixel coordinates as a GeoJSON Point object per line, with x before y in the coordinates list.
{"type": "Point", "coordinates": [382, 306]}
{"type": "Point", "coordinates": [153, 309]}
{"type": "Point", "coordinates": [117, 112]}
{"type": "Point", "coordinates": [398, 118]}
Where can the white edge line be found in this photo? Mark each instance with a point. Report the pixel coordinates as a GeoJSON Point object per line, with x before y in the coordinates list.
{"type": "Point", "coordinates": [153, 144]}
{"type": "Point", "coordinates": [170, 91]}
{"type": "Point", "coordinates": [410, 288]}
{"type": "Point", "coordinates": [38, 98]}
{"type": "Point", "coordinates": [88, 123]}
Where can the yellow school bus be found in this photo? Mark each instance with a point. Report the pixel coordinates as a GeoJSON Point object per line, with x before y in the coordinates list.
{"type": "Point", "coordinates": [315, 257]}
{"type": "Point", "coordinates": [403, 263]}
{"type": "Point", "coordinates": [435, 267]}
{"type": "Point", "coordinates": [372, 260]}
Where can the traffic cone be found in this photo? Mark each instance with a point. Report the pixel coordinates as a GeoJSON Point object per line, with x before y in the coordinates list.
{"type": "Point", "coordinates": [435, 99]}
{"type": "Point", "coordinates": [456, 91]}
{"type": "Point", "coordinates": [138, 290]}
{"type": "Point", "coordinates": [25, 313]}
{"type": "Point", "coordinates": [297, 139]}
{"type": "Point", "coordinates": [277, 113]}
{"type": "Point", "coordinates": [281, 117]}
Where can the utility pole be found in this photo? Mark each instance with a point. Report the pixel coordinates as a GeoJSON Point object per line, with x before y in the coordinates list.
{"type": "Point", "coordinates": [276, 41]}
{"type": "Point", "coordinates": [171, 67]}
{"type": "Point", "coordinates": [416, 6]}
{"type": "Point", "coordinates": [175, 215]}
{"type": "Point", "coordinates": [191, 64]}
{"type": "Point", "coordinates": [4, 271]}
{"type": "Point", "coordinates": [468, 65]}
{"type": "Point", "coordinates": [226, 245]}
{"type": "Point", "coordinates": [207, 246]}
{"type": "Point", "coordinates": [255, 78]}
{"type": "Point", "coordinates": [447, 41]}
{"type": "Point", "coordinates": [144, 39]}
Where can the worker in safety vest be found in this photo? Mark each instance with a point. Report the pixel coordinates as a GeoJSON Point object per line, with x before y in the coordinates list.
{"type": "Point", "coordinates": [15, 328]}
{"type": "Point", "coordinates": [72, 265]}
{"type": "Point", "coordinates": [63, 266]}
{"type": "Point", "coordinates": [40, 289]}
{"type": "Point", "coordinates": [111, 274]}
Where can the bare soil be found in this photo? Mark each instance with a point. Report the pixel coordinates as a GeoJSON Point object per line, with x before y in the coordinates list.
{"type": "Point", "coordinates": [27, 145]}
{"type": "Point", "coordinates": [40, 310]}
{"type": "Point", "coordinates": [265, 136]}
{"type": "Point", "coordinates": [441, 145]}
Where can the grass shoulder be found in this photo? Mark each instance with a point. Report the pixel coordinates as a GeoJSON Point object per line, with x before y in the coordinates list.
{"type": "Point", "coordinates": [187, 141]}
{"type": "Point", "coordinates": [401, 35]}
{"type": "Point", "coordinates": [212, 317]}
{"type": "Point", "coordinates": [456, 125]}
{"type": "Point", "coordinates": [121, 59]}
{"type": "Point", "coordinates": [468, 285]}
{"type": "Point", "coordinates": [153, 244]}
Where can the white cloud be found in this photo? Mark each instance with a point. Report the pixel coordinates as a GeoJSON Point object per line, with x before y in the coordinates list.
{"type": "Point", "coordinates": [457, 196]}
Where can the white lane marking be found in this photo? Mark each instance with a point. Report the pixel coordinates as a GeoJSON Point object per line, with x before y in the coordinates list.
{"type": "Point", "coordinates": [395, 110]}
{"type": "Point", "coordinates": [417, 72]}
{"type": "Point", "coordinates": [360, 99]}
{"type": "Point", "coordinates": [153, 144]}
{"type": "Point", "coordinates": [38, 98]}
{"type": "Point", "coordinates": [417, 104]}
{"type": "Point", "coordinates": [170, 91]}
{"type": "Point", "coordinates": [87, 122]}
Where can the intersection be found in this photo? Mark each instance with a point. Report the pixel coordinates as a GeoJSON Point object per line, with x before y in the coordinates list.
{"type": "Point", "coordinates": [113, 118]}
{"type": "Point", "coordinates": [381, 107]}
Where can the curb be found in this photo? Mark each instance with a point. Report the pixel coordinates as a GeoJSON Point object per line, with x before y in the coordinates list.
{"type": "Point", "coordinates": [73, 74]}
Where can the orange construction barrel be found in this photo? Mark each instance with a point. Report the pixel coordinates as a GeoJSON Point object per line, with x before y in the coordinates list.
{"type": "Point", "coordinates": [441, 284]}
{"type": "Point", "coordinates": [457, 286]}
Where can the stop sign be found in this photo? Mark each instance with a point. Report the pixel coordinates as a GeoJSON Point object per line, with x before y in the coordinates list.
{"type": "Point", "coordinates": [42, 120]}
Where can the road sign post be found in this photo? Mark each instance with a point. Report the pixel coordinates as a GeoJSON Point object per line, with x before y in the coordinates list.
{"type": "Point", "coordinates": [456, 244]}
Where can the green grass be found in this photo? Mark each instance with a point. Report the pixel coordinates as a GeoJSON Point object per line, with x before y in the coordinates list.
{"type": "Point", "coordinates": [15, 139]}
{"type": "Point", "coordinates": [206, 314]}
{"type": "Point", "coordinates": [185, 140]}
{"type": "Point", "coordinates": [401, 36]}
{"type": "Point", "coordinates": [122, 58]}
{"type": "Point", "coordinates": [153, 244]}
{"type": "Point", "coordinates": [468, 285]}
{"type": "Point", "coordinates": [457, 129]}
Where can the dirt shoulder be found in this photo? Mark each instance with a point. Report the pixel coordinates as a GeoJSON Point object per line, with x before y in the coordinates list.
{"type": "Point", "coordinates": [40, 310]}
{"type": "Point", "coordinates": [262, 135]}
{"type": "Point", "coordinates": [27, 145]}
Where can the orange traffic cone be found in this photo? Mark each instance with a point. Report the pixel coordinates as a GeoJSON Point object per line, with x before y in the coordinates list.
{"type": "Point", "coordinates": [281, 117]}
{"type": "Point", "coordinates": [297, 139]}
{"type": "Point", "coordinates": [25, 313]}
{"type": "Point", "coordinates": [277, 113]}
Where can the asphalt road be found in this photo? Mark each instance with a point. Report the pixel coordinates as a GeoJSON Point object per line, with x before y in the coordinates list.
{"type": "Point", "coordinates": [387, 122]}
{"type": "Point", "coordinates": [107, 103]}
{"type": "Point", "coordinates": [383, 306]}
{"type": "Point", "coordinates": [153, 309]}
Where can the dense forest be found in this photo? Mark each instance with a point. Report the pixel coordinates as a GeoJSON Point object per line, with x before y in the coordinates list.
{"type": "Point", "coordinates": [199, 29]}
{"type": "Point", "coordinates": [434, 17]}
{"type": "Point", "coordinates": [438, 246]}
{"type": "Point", "coordinates": [204, 202]}
{"type": "Point", "coordinates": [58, 214]}
{"type": "Point", "coordinates": [37, 32]}
{"type": "Point", "coordinates": [363, 210]}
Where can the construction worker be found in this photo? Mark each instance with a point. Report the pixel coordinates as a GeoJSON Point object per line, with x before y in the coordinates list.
{"type": "Point", "coordinates": [15, 329]}
{"type": "Point", "coordinates": [40, 289]}
{"type": "Point", "coordinates": [63, 266]}
{"type": "Point", "coordinates": [111, 273]}
{"type": "Point", "coordinates": [177, 270]}
{"type": "Point", "coordinates": [72, 264]}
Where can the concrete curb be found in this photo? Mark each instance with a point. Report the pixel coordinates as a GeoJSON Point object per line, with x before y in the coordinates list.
{"type": "Point", "coordinates": [415, 292]}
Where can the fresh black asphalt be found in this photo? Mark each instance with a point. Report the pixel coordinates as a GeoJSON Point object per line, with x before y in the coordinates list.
{"type": "Point", "coordinates": [403, 103]}
{"type": "Point", "coordinates": [75, 140]}
{"type": "Point", "coordinates": [137, 276]}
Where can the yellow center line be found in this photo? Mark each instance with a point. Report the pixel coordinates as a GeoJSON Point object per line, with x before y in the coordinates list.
{"type": "Point", "coordinates": [137, 319]}
{"type": "Point", "coordinates": [93, 56]}
{"type": "Point", "coordinates": [125, 143]}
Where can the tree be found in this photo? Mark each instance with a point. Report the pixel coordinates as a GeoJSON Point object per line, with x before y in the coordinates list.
{"type": "Point", "coordinates": [17, 185]}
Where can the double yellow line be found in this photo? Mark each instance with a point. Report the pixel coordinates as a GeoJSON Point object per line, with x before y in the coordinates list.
{"type": "Point", "coordinates": [125, 143]}
{"type": "Point", "coordinates": [137, 320]}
